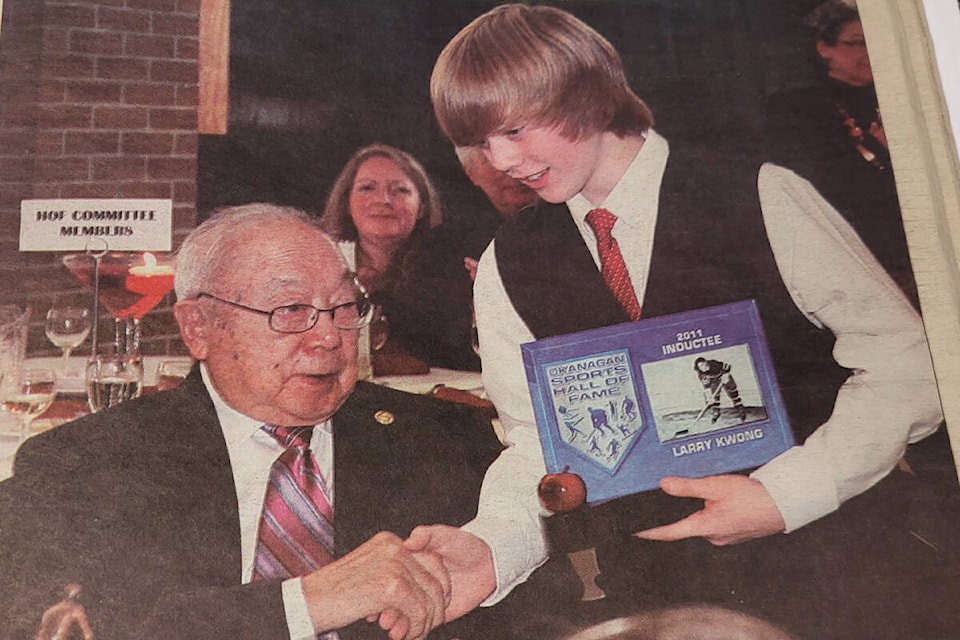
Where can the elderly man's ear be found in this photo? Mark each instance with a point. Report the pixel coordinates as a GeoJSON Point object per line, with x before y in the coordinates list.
{"type": "Point", "coordinates": [194, 327]}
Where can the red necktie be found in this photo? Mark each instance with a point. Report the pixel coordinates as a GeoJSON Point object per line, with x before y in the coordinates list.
{"type": "Point", "coordinates": [295, 535]}
{"type": "Point", "coordinates": [612, 266]}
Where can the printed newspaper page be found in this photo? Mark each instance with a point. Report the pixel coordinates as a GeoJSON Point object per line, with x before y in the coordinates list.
{"type": "Point", "coordinates": [98, 100]}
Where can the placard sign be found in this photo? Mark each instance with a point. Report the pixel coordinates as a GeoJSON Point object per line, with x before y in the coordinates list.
{"type": "Point", "coordinates": [75, 225]}
{"type": "Point", "coordinates": [690, 394]}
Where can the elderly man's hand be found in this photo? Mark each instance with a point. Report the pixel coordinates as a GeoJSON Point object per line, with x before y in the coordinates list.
{"type": "Point", "coordinates": [466, 558]}
{"type": "Point", "coordinates": [736, 509]}
{"type": "Point", "coordinates": [380, 579]}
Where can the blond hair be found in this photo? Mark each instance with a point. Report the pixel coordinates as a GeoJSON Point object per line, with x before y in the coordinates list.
{"type": "Point", "coordinates": [541, 66]}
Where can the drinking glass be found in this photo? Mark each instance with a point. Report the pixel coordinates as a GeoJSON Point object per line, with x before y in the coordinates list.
{"type": "Point", "coordinates": [170, 373]}
{"type": "Point", "coordinates": [14, 326]}
{"type": "Point", "coordinates": [28, 394]}
{"type": "Point", "coordinates": [67, 328]}
{"type": "Point", "coordinates": [474, 333]}
{"type": "Point", "coordinates": [129, 285]}
{"type": "Point", "coordinates": [112, 380]}
{"type": "Point", "coordinates": [379, 329]}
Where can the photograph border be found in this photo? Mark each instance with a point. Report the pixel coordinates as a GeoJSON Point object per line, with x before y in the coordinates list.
{"type": "Point", "coordinates": [922, 147]}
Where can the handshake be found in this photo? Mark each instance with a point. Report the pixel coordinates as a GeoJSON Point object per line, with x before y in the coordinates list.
{"type": "Point", "coordinates": [408, 587]}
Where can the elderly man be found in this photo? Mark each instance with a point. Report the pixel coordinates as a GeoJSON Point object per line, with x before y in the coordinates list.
{"type": "Point", "coordinates": [207, 511]}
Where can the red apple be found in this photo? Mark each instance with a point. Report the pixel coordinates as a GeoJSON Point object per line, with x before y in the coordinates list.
{"type": "Point", "coordinates": [562, 492]}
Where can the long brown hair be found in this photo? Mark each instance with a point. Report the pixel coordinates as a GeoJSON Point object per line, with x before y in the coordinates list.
{"type": "Point", "coordinates": [336, 219]}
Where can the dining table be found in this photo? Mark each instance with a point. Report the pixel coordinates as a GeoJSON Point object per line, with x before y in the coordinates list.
{"type": "Point", "coordinates": [71, 400]}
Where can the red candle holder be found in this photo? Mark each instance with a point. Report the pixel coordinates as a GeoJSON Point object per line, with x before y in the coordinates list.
{"type": "Point", "coordinates": [128, 285]}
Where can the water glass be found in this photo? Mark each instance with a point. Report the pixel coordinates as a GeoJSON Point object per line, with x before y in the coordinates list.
{"type": "Point", "coordinates": [112, 380]}
{"type": "Point", "coordinates": [14, 324]}
{"type": "Point", "coordinates": [170, 373]}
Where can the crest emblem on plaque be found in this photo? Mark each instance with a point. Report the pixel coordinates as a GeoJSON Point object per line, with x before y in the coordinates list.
{"type": "Point", "coordinates": [596, 409]}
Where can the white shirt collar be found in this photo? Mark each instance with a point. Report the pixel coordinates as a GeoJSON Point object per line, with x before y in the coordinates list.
{"type": "Point", "coordinates": [238, 427]}
{"type": "Point", "coordinates": [625, 201]}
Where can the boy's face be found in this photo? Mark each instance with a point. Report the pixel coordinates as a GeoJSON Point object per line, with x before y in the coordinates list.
{"type": "Point", "coordinates": [554, 166]}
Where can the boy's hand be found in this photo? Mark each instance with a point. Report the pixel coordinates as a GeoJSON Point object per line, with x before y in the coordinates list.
{"type": "Point", "coordinates": [466, 558]}
{"type": "Point", "coordinates": [736, 509]}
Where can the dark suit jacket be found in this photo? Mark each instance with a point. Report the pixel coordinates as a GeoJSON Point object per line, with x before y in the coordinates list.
{"type": "Point", "coordinates": [138, 504]}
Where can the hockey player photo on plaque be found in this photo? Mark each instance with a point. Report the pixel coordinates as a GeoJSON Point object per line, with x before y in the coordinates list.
{"type": "Point", "coordinates": [691, 394]}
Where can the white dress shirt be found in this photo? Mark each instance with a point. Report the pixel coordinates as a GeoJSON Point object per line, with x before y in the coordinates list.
{"type": "Point", "coordinates": [252, 452]}
{"type": "Point", "coordinates": [890, 399]}
{"type": "Point", "coordinates": [349, 250]}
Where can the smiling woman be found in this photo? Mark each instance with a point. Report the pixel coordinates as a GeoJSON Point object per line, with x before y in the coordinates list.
{"type": "Point", "coordinates": [383, 209]}
{"type": "Point", "coordinates": [380, 207]}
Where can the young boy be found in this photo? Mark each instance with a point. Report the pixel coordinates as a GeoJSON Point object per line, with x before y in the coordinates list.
{"type": "Point", "coordinates": [545, 98]}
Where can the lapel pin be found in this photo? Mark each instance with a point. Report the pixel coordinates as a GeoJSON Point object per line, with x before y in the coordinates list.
{"type": "Point", "coordinates": [384, 417]}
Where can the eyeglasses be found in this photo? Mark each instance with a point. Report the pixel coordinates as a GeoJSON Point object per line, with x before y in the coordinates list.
{"type": "Point", "coordinates": [298, 318]}
{"type": "Point", "coordinates": [856, 43]}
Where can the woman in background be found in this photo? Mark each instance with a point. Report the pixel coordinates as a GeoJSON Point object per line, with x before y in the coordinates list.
{"type": "Point", "coordinates": [382, 209]}
{"type": "Point", "coordinates": [379, 209]}
{"type": "Point", "coordinates": [831, 133]}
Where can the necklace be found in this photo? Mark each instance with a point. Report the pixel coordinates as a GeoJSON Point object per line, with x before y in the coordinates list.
{"type": "Point", "coordinates": [859, 141]}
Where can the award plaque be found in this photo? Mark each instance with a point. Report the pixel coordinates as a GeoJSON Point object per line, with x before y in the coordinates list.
{"type": "Point", "coordinates": [691, 394]}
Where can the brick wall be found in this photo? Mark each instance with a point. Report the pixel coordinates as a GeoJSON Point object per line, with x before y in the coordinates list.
{"type": "Point", "coordinates": [98, 99]}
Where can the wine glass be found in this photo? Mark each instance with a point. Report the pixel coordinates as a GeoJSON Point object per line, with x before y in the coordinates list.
{"type": "Point", "coordinates": [474, 333]}
{"type": "Point", "coordinates": [67, 328]}
{"type": "Point", "coordinates": [379, 329]}
{"type": "Point", "coordinates": [170, 373]}
{"type": "Point", "coordinates": [29, 394]}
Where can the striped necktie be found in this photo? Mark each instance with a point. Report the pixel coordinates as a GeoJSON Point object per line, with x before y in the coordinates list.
{"type": "Point", "coordinates": [612, 266]}
{"type": "Point", "coordinates": [295, 535]}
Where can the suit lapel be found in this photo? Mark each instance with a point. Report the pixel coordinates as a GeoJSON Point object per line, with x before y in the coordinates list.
{"type": "Point", "coordinates": [356, 475]}
{"type": "Point", "coordinates": [208, 493]}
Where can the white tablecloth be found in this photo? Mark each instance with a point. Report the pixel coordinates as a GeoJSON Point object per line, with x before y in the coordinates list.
{"type": "Point", "coordinates": [423, 383]}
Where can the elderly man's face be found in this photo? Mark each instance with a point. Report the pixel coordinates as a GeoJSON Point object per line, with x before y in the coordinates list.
{"type": "Point", "coordinates": [284, 379]}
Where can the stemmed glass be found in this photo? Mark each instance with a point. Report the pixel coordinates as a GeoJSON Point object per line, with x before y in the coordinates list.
{"type": "Point", "coordinates": [379, 329]}
{"type": "Point", "coordinates": [129, 285]}
{"type": "Point", "coordinates": [67, 328]}
{"type": "Point", "coordinates": [474, 333]}
{"type": "Point", "coordinates": [170, 373]}
{"type": "Point", "coordinates": [28, 395]}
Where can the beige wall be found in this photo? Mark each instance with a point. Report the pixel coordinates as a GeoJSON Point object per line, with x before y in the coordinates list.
{"type": "Point", "coordinates": [927, 169]}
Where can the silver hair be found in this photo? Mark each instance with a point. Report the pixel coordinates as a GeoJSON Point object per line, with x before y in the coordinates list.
{"type": "Point", "coordinates": [201, 257]}
{"type": "Point", "coordinates": [688, 622]}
